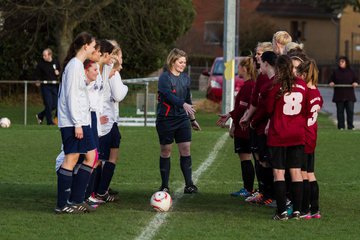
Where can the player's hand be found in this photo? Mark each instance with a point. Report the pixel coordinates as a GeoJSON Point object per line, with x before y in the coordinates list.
{"type": "Point", "coordinates": [189, 109]}
{"type": "Point", "coordinates": [195, 125]}
{"type": "Point", "coordinates": [355, 84]}
{"type": "Point", "coordinates": [104, 119]}
{"type": "Point", "coordinates": [222, 120]}
{"type": "Point", "coordinates": [331, 84]}
{"type": "Point", "coordinates": [79, 133]}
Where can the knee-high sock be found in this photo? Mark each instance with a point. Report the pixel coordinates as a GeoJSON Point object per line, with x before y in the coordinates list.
{"type": "Point", "coordinates": [98, 171]}
{"type": "Point", "coordinates": [80, 182]}
{"type": "Point", "coordinates": [106, 176]}
{"type": "Point", "coordinates": [260, 175]}
{"type": "Point", "coordinates": [280, 196]}
{"type": "Point", "coordinates": [248, 174]}
{"type": "Point", "coordinates": [306, 197]}
{"type": "Point", "coordinates": [268, 183]}
{"type": "Point", "coordinates": [185, 163]}
{"type": "Point", "coordinates": [64, 186]}
{"type": "Point", "coordinates": [297, 193]}
{"type": "Point", "coordinates": [90, 187]}
{"type": "Point", "coordinates": [314, 196]}
{"type": "Point", "coordinates": [164, 171]}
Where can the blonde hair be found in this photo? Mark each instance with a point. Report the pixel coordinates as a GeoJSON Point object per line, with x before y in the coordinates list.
{"type": "Point", "coordinates": [174, 55]}
{"type": "Point", "coordinates": [264, 46]}
{"type": "Point", "coordinates": [282, 37]}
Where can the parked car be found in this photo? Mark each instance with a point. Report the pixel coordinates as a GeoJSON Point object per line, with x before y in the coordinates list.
{"type": "Point", "coordinates": [215, 81]}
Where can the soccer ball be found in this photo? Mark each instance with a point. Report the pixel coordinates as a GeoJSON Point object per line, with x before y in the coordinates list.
{"type": "Point", "coordinates": [5, 122]}
{"type": "Point", "coordinates": [161, 201]}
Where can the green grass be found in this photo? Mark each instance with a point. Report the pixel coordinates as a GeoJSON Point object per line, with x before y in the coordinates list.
{"type": "Point", "coordinates": [28, 189]}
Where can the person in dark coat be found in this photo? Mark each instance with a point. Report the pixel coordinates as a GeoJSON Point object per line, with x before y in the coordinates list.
{"type": "Point", "coordinates": [344, 97]}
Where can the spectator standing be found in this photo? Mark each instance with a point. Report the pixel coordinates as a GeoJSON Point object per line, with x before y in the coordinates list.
{"type": "Point", "coordinates": [48, 69]}
{"type": "Point", "coordinates": [344, 97]}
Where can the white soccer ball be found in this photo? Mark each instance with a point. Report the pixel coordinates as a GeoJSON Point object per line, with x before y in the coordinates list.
{"type": "Point", "coordinates": [161, 201]}
{"type": "Point", "coordinates": [5, 122]}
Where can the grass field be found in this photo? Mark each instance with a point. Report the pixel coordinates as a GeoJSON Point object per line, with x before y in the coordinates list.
{"type": "Point", "coordinates": [28, 189]}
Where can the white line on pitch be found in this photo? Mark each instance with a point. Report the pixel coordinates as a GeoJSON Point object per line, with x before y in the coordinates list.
{"type": "Point", "coordinates": [160, 218]}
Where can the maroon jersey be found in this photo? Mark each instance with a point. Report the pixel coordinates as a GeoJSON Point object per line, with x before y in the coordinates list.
{"type": "Point", "coordinates": [261, 82]}
{"type": "Point", "coordinates": [242, 103]}
{"type": "Point", "coordinates": [288, 115]}
{"type": "Point", "coordinates": [314, 104]}
{"type": "Point", "coordinates": [261, 117]}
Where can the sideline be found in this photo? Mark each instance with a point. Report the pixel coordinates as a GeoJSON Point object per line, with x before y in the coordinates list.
{"type": "Point", "coordinates": [160, 218]}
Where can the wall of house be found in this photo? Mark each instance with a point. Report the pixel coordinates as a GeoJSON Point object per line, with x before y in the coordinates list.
{"type": "Point", "coordinates": [350, 34]}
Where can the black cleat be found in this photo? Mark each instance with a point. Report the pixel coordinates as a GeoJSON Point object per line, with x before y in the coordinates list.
{"type": "Point", "coordinates": [281, 217]}
{"type": "Point", "coordinates": [190, 189]}
{"type": "Point", "coordinates": [164, 189]}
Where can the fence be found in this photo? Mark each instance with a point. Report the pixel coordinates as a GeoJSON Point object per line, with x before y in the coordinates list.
{"type": "Point", "coordinates": [144, 82]}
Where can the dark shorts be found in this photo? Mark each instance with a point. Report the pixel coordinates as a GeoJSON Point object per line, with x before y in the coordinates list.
{"type": "Point", "coordinates": [95, 133]}
{"type": "Point", "coordinates": [108, 141]}
{"type": "Point", "coordinates": [242, 145]}
{"type": "Point", "coordinates": [75, 145]}
{"type": "Point", "coordinates": [173, 128]}
{"type": "Point", "coordinates": [309, 163]}
{"type": "Point", "coordinates": [287, 157]}
{"type": "Point", "coordinates": [259, 146]}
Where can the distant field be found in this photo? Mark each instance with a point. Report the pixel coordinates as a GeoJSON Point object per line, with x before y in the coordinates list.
{"type": "Point", "coordinates": [28, 189]}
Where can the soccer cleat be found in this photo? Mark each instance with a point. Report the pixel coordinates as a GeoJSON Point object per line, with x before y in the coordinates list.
{"type": "Point", "coordinates": [105, 197]}
{"type": "Point", "coordinates": [113, 192]}
{"type": "Point", "coordinates": [280, 217]}
{"type": "Point", "coordinates": [190, 189]}
{"type": "Point", "coordinates": [164, 189]}
{"type": "Point", "coordinates": [270, 203]}
{"type": "Point", "coordinates": [289, 209]}
{"type": "Point", "coordinates": [71, 209]}
{"type": "Point", "coordinates": [295, 215]}
{"type": "Point", "coordinates": [39, 120]}
{"type": "Point", "coordinates": [306, 216]}
{"type": "Point", "coordinates": [316, 215]}
{"type": "Point", "coordinates": [242, 193]}
{"type": "Point", "coordinates": [93, 202]}
{"type": "Point", "coordinates": [255, 198]}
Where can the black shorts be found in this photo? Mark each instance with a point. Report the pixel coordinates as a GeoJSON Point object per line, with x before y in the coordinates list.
{"type": "Point", "coordinates": [287, 157]}
{"type": "Point", "coordinates": [173, 128]}
{"type": "Point", "coordinates": [109, 141]}
{"type": "Point", "coordinates": [259, 146]}
{"type": "Point", "coordinates": [71, 144]}
{"type": "Point", "coordinates": [242, 145]}
{"type": "Point", "coordinates": [309, 163]}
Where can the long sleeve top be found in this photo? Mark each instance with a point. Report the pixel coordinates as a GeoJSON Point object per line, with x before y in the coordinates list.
{"type": "Point", "coordinates": [73, 103]}
{"type": "Point", "coordinates": [344, 76]}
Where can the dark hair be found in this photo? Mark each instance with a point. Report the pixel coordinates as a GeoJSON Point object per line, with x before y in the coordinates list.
{"type": "Point", "coordinates": [106, 46]}
{"type": "Point", "coordinates": [88, 63]}
{"type": "Point", "coordinates": [347, 62]}
{"type": "Point", "coordinates": [80, 40]}
{"type": "Point", "coordinates": [269, 57]}
{"type": "Point", "coordinates": [284, 74]}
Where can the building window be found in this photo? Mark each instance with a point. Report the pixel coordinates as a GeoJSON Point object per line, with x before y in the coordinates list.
{"type": "Point", "coordinates": [297, 31]}
{"type": "Point", "coordinates": [214, 31]}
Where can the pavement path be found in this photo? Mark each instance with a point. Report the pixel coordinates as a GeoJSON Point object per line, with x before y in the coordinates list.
{"type": "Point", "coordinates": [330, 107]}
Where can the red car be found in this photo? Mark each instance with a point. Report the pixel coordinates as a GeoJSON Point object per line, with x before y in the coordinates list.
{"type": "Point", "coordinates": [215, 82]}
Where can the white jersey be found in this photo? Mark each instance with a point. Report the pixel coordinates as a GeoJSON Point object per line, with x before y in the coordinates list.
{"type": "Point", "coordinates": [73, 102]}
{"type": "Point", "coordinates": [114, 92]}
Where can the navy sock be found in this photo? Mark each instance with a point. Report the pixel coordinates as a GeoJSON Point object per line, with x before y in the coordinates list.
{"type": "Point", "coordinates": [98, 171]}
{"type": "Point", "coordinates": [90, 187]}
{"type": "Point", "coordinates": [297, 193]}
{"type": "Point", "coordinates": [306, 197]}
{"type": "Point", "coordinates": [164, 171]}
{"type": "Point", "coordinates": [106, 176]}
{"type": "Point", "coordinates": [314, 197]}
{"type": "Point", "coordinates": [280, 196]}
{"type": "Point", "coordinates": [248, 174]}
{"type": "Point", "coordinates": [64, 186]}
{"type": "Point", "coordinates": [186, 168]}
{"type": "Point", "coordinates": [80, 183]}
